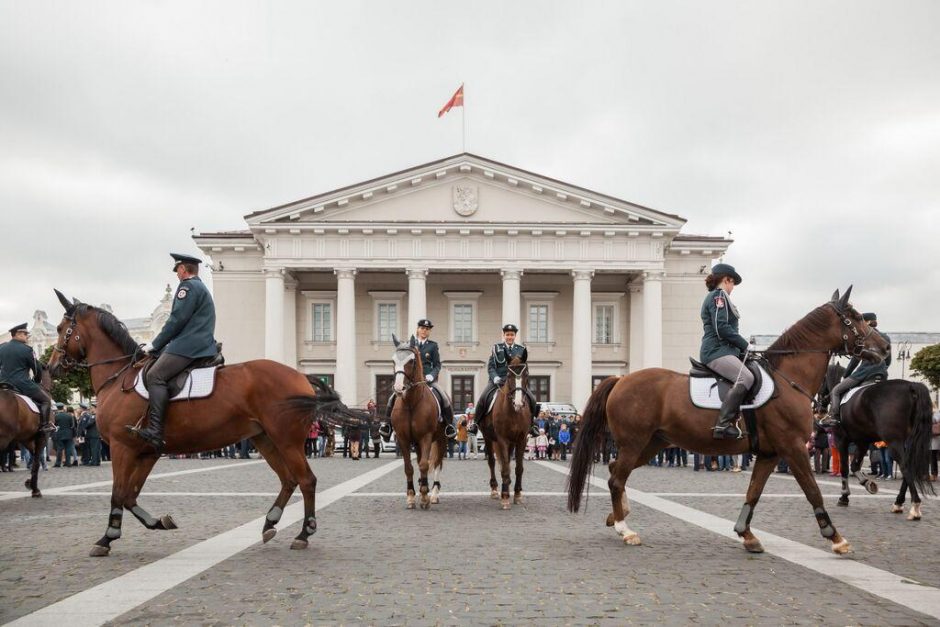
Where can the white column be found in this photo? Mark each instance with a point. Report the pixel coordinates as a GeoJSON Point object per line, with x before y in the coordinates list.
{"type": "Point", "coordinates": [290, 321]}
{"type": "Point", "coordinates": [581, 358]}
{"type": "Point", "coordinates": [274, 298]}
{"type": "Point", "coordinates": [417, 297]}
{"type": "Point", "coordinates": [636, 326]}
{"type": "Point", "coordinates": [653, 319]}
{"type": "Point", "coordinates": [346, 335]}
{"type": "Point", "coordinates": [511, 295]}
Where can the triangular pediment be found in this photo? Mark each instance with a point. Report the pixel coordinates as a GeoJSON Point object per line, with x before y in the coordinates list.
{"type": "Point", "coordinates": [465, 189]}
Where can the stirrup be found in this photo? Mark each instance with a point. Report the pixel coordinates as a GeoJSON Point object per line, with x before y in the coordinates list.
{"type": "Point", "coordinates": [830, 420]}
{"type": "Point", "coordinates": [449, 432]}
{"type": "Point", "coordinates": [385, 431]}
{"type": "Point", "coordinates": [150, 439]}
{"type": "Point", "coordinates": [729, 431]}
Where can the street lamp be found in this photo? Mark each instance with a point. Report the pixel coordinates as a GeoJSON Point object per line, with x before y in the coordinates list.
{"type": "Point", "coordinates": [904, 353]}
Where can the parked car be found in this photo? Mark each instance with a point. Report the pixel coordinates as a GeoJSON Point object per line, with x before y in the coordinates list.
{"type": "Point", "coordinates": [566, 410]}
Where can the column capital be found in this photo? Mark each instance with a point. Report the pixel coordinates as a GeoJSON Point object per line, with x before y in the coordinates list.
{"type": "Point", "coordinates": [653, 275]}
{"type": "Point", "coordinates": [511, 274]}
{"type": "Point", "coordinates": [345, 273]}
{"type": "Point", "coordinates": [290, 281]}
{"type": "Point", "coordinates": [582, 275]}
{"type": "Point", "coordinates": [635, 288]}
{"type": "Point", "coordinates": [274, 272]}
{"type": "Point", "coordinates": [417, 273]}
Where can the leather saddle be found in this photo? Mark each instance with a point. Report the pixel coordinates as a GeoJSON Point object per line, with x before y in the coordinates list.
{"type": "Point", "coordinates": [178, 383]}
{"type": "Point", "coordinates": [701, 371]}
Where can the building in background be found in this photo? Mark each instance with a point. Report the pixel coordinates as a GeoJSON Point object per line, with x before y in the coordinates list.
{"type": "Point", "coordinates": [597, 285]}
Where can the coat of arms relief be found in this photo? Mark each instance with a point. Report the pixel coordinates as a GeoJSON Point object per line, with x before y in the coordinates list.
{"type": "Point", "coordinates": [466, 202]}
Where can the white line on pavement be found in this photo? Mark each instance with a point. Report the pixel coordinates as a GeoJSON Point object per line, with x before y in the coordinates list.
{"type": "Point", "coordinates": [108, 600]}
{"type": "Point", "coordinates": [901, 590]}
{"type": "Point", "coordinates": [738, 495]}
{"type": "Point", "coordinates": [97, 484]}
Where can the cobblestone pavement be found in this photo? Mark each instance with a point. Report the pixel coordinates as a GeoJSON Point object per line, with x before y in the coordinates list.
{"type": "Point", "coordinates": [464, 561]}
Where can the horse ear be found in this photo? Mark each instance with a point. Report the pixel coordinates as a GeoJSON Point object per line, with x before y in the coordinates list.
{"type": "Point", "coordinates": [395, 341]}
{"type": "Point", "coordinates": [835, 297]}
{"type": "Point", "coordinates": [844, 302]}
{"type": "Point", "coordinates": [65, 301]}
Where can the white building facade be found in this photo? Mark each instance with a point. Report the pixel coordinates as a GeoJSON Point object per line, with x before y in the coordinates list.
{"type": "Point", "coordinates": [598, 286]}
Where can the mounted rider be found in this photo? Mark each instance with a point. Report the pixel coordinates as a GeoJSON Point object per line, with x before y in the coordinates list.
{"type": "Point", "coordinates": [431, 362]}
{"type": "Point", "coordinates": [17, 360]}
{"type": "Point", "coordinates": [498, 368]}
{"type": "Point", "coordinates": [723, 348]}
{"type": "Point", "coordinates": [857, 373]}
{"type": "Point", "coordinates": [187, 335]}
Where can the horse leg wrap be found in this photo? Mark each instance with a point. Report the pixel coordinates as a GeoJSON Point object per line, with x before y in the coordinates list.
{"type": "Point", "coordinates": [437, 484]}
{"type": "Point", "coordinates": [144, 517]}
{"type": "Point", "coordinates": [505, 488]}
{"type": "Point", "coordinates": [274, 515]}
{"type": "Point", "coordinates": [114, 524]}
{"type": "Point", "coordinates": [825, 525]}
{"type": "Point", "coordinates": [310, 525]}
{"type": "Point", "coordinates": [744, 519]}
{"type": "Point", "coordinates": [423, 482]}
{"type": "Point", "coordinates": [845, 487]}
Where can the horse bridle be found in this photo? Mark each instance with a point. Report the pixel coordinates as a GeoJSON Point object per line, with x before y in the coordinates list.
{"type": "Point", "coordinates": [409, 381]}
{"type": "Point", "coordinates": [858, 340]}
{"type": "Point", "coordinates": [68, 362]}
{"type": "Point", "coordinates": [517, 372]}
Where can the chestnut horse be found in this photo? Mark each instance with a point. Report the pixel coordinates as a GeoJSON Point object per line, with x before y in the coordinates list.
{"type": "Point", "coordinates": [18, 423]}
{"type": "Point", "coordinates": [650, 409]}
{"type": "Point", "coordinates": [265, 401]}
{"type": "Point", "coordinates": [507, 429]}
{"type": "Point", "coordinates": [415, 420]}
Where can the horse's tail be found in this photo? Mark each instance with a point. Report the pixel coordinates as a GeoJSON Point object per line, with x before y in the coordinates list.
{"type": "Point", "coordinates": [325, 402]}
{"type": "Point", "coordinates": [590, 435]}
{"type": "Point", "coordinates": [917, 451]}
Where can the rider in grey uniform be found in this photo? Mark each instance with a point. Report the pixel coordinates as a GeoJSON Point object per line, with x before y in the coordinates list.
{"type": "Point", "coordinates": [723, 348]}
{"type": "Point", "coordinates": [187, 335]}
{"type": "Point", "coordinates": [431, 363]}
{"type": "Point", "coordinates": [856, 373]}
{"type": "Point", "coordinates": [16, 362]}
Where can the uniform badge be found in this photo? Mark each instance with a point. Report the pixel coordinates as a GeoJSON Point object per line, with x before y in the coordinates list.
{"type": "Point", "coordinates": [719, 302]}
{"type": "Point", "coordinates": [181, 294]}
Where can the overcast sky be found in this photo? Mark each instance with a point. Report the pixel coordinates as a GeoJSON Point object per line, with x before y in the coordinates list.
{"type": "Point", "coordinates": [811, 130]}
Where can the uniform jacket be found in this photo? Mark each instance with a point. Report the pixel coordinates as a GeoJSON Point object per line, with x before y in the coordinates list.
{"type": "Point", "coordinates": [720, 322]}
{"type": "Point", "coordinates": [864, 370]}
{"type": "Point", "coordinates": [430, 356]}
{"type": "Point", "coordinates": [500, 357]}
{"type": "Point", "coordinates": [189, 330]}
{"type": "Point", "coordinates": [16, 362]}
{"type": "Point", "coordinates": [66, 426]}
{"type": "Point", "coordinates": [88, 426]}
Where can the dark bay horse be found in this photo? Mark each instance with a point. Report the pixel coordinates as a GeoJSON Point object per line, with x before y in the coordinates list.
{"type": "Point", "coordinates": [506, 431]}
{"type": "Point", "coordinates": [896, 412]}
{"type": "Point", "coordinates": [265, 401]}
{"type": "Point", "coordinates": [18, 423]}
{"type": "Point", "coordinates": [647, 410]}
{"type": "Point", "coordinates": [415, 420]}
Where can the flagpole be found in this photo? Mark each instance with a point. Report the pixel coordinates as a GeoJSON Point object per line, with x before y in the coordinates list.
{"type": "Point", "coordinates": [463, 118]}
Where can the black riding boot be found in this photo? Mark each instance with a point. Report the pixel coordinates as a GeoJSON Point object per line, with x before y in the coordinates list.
{"type": "Point", "coordinates": [447, 416]}
{"type": "Point", "coordinates": [45, 417]}
{"type": "Point", "coordinates": [833, 418]}
{"type": "Point", "coordinates": [153, 432]}
{"type": "Point", "coordinates": [727, 415]}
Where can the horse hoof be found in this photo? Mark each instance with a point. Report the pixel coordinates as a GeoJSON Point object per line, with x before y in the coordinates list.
{"type": "Point", "coordinates": [517, 499]}
{"type": "Point", "coordinates": [912, 517]}
{"type": "Point", "coordinates": [425, 503]}
{"type": "Point", "coordinates": [494, 494]}
{"type": "Point", "coordinates": [842, 503]}
{"type": "Point", "coordinates": [298, 545]}
{"type": "Point", "coordinates": [268, 534]}
{"type": "Point", "coordinates": [610, 519]}
{"type": "Point", "coordinates": [99, 551]}
{"type": "Point", "coordinates": [897, 509]}
{"type": "Point", "coordinates": [753, 546]}
{"type": "Point", "coordinates": [842, 547]}
{"type": "Point", "coordinates": [435, 500]}
{"type": "Point", "coordinates": [37, 495]}
{"type": "Point", "coordinates": [872, 487]}
{"type": "Point", "coordinates": [168, 522]}
{"type": "Point", "coordinates": [632, 539]}
{"type": "Point", "coordinates": [505, 504]}
{"type": "Point", "coordinates": [410, 505]}
{"type": "Point", "coordinates": [28, 484]}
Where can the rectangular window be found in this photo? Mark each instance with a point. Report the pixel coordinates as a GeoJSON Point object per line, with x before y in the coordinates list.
{"type": "Point", "coordinates": [387, 321]}
{"type": "Point", "coordinates": [463, 322]}
{"type": "Point", "coordinates": [538, 323]}
{"type": "Point", "coordinates": [322, 316]}
{"type": "Point", "coordinates": [603, 324]}
{"type": "Point", "coordinates": [541, 388]}
{"type": "Point", "coordinates": [461, 392]}
{"type": "Point", "coordinates": [384, 384]}
{"type": "Point", "coordinates": [325, 378]}
{"type": "Point", "coordinates": [597, 379]}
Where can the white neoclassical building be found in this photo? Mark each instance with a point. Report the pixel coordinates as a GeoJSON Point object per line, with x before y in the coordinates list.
{"type": "Point", "coordinates": [597, 285]}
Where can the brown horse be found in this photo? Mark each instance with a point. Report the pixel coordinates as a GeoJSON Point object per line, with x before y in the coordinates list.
{"type": "Point", "coordinates": [18, 423]}
{"type": "Point", "coordinates": [506, 431]}
{"type": "Point", "coordinates": [649, 409]}
{"type": "Point", "coordinates": [414, 418]}
{"type": "Point", "coordinates": [265, 401]}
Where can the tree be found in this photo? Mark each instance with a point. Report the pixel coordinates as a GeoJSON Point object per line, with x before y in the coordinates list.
{"type": "Point", "coordinates": [926, 363]}
{"type": "Point", "coordinates": [66, 384]}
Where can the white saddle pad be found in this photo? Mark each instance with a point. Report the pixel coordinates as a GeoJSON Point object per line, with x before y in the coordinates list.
{"type": "Point", "coordinates": [198, 384]}
{"type": "Point", "coordinates": [854, 391]}
{"type": "Point", "coordinates": [704, 392]}
{"type": "Point", "coordinates": [29, 403]}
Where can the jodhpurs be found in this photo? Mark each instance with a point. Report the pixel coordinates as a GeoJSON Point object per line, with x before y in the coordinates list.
{"type": "Point", "coordinates": [732, 368]}
{"type": "Point", "coordinates": [835, 396]}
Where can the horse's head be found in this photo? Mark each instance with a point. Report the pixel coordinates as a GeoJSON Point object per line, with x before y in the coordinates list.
{"type": "Point", "coordinates": [850, 334]}
{"type": "Point", "coordinates": [408, 368]}
{"type": "Point", "coordinates": [517, 380]}
{"type": "Point", "coordinates": [69, 349]}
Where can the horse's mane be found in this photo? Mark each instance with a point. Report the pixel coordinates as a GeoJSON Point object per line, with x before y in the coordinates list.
{"type": "Point", "coordinates": [111, 326]}
{"type": "Point", "coordinates": [800, 336]}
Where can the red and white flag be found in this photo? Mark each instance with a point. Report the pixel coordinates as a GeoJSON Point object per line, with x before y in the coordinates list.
{"type": "Point", "coordinates": [455, 101]}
